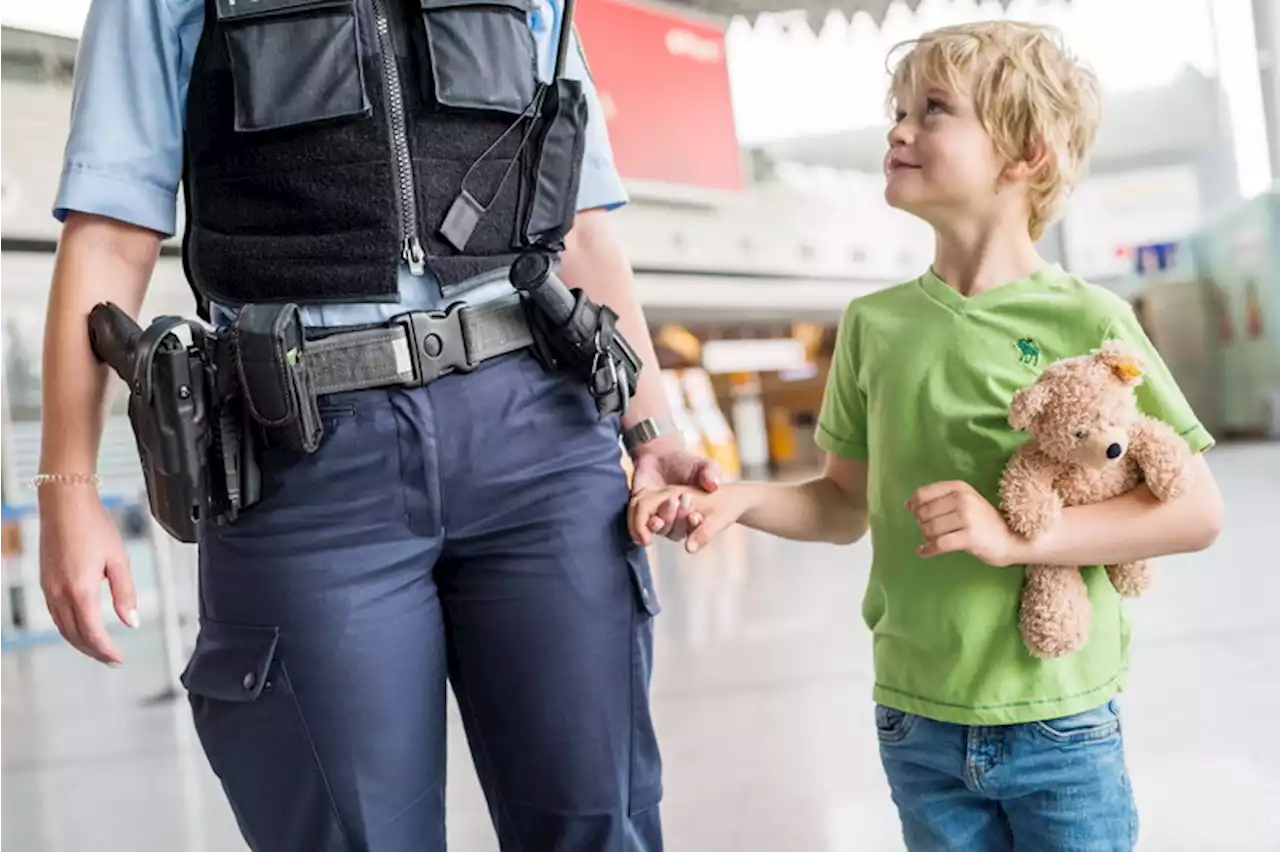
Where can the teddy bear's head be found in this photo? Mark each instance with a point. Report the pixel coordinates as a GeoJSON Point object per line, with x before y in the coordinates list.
{"type": "Point", "coordinates": [1081, 409]}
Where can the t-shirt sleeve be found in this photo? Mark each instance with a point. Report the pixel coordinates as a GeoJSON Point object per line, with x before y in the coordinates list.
{"type": "Point", "coordinates": [842, 419]}
{"type": "Point", "coordinates": [1158, 394]}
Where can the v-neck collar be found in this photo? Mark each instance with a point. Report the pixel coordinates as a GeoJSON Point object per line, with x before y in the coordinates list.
{"type": "Point", "coordinates": [949, 297]}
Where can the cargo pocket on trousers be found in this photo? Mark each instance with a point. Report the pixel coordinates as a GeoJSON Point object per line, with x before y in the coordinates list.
{"type": "Point", "coordinates": [481, 54]}
{"type": "Point", "coordinates": [293, 62]}
{"type": "Point", "coordinates": [646, 760]}
{"type": "Point", "coordinates": [253, 733]}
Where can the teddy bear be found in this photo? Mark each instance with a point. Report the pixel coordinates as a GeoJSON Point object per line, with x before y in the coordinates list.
{"type": "Point", "coordinates": [1087, 442]}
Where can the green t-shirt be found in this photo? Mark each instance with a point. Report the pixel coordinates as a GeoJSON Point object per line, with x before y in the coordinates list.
{"type": "Point", "coordinates": [920, 386]}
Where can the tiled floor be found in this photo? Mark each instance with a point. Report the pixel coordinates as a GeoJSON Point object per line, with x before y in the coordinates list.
{"type": "Point", "coordinates": [762, 698]}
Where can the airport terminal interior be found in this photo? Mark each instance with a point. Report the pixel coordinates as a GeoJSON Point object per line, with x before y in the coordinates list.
{"type": "Point", "coordinates": [750, 137]}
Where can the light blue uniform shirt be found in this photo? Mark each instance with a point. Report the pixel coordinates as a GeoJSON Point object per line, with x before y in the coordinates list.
{"type": "Point", "coordinates": [124, 152]}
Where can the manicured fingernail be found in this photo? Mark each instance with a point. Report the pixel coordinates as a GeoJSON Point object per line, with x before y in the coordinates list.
{"type": "Point", "coordinates": [655, 524]}
{"type": "Point", "coordinates": [693, 546]}
{"type": "Point", "coordinates": [131, 618]}
{"type": "Point", "coordinates": [686, 501]}
{"type": "Point", "coordinates": [115, 665]}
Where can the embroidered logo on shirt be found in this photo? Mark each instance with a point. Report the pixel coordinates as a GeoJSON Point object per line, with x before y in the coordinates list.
{"type": "Point", "coordinates": [1028, 351]}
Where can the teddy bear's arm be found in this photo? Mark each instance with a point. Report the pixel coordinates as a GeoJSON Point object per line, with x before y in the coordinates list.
{"type": "Point", "coordinates": [1027, 498]}
{"type": "Point", "coordinates": [1163, 457]}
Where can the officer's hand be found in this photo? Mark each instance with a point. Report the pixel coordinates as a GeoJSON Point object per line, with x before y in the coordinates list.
{"type": "Point", "coordinates": [664, 461]}
{"type": "Point", "coordinates": [79, 545]}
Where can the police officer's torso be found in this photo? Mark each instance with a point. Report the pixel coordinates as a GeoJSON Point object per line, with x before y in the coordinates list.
{"type": "Point", "coordinates": [327, 142]}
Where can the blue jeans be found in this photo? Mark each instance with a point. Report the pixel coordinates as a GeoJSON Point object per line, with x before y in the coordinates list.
{"type": "Point", "coordinates": [1058, 785]}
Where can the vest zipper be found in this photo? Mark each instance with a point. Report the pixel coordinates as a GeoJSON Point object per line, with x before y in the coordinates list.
{"type": "Point", "coordinates": [410, 248]}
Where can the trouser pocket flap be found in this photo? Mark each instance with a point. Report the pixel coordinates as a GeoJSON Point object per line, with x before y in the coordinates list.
{"type": "Point", "coordinates": [642, 577]}
{"type": "Point", "coordinates": [231, 663]}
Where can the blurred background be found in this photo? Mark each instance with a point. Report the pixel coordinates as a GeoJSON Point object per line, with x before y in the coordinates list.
{"type": "Point", "coordinates": [750, 134]}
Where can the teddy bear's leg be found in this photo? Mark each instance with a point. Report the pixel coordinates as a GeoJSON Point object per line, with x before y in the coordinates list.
{"type": "Point", "coordinates": [1055, 611]}
{"type": "Point", "coordinates": [1131, 578]}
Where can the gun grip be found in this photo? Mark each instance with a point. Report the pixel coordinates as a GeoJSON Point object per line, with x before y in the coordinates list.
{"type": "Point", "coordinates": [113, 337]}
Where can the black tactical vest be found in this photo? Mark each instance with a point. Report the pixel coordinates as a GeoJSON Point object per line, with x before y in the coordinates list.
{"type": "Point", "coordinates": [328, 141]}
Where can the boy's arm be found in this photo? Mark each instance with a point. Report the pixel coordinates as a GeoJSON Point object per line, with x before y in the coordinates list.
{"type": "Point", "coordinates": [831, 508]}
{"type": "Point", "coordinates": [1133, 526]}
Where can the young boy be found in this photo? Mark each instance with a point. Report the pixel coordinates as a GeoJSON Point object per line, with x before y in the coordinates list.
{"type": "Point", "coordinates": [985, 747]}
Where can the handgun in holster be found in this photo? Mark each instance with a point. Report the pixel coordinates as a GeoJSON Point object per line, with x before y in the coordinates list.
{"type": "Point", "coordinates": [198, 462]}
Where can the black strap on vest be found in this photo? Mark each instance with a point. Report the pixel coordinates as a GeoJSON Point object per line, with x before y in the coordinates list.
{"type": "Point", "coordinates": [556, 122]}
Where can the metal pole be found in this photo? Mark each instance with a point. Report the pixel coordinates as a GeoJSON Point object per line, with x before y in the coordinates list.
{"type": "Point", "coordinates": [1266, 35]}
{"type": "Point", "coordinates": [162, 549]}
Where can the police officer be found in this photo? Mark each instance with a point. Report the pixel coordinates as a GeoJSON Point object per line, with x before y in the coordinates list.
{"type": "Point", "coordinates": [368, 160]}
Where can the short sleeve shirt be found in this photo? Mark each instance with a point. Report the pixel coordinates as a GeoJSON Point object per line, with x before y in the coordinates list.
{"type": "Point", "coordinates": [919, 387]}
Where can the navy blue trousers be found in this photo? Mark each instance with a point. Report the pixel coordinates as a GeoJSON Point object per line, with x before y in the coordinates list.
{"type": "Point", "coordinates": [471, 532]}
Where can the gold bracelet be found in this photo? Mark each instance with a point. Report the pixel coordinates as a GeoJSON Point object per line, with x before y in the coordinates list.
{"type": "Point", "coordinates": [66, 479]}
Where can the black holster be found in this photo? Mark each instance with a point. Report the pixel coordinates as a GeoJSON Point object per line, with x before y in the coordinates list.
{"type": "Point", "coordinates": [575, 334]}
{"type": "Point", "coordinates": [198, 465]}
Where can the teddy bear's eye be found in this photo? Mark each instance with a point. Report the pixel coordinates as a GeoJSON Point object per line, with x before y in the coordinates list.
{"type": "Point", "coordinates": [1082, 434]}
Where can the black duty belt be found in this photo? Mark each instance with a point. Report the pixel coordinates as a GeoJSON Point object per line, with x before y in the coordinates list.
{"type": "Point", "coordinates": [202, 411]}
{"type": "Point", "coordinates": [416, 348]}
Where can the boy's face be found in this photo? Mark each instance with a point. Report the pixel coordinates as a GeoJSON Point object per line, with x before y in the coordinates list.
{"type": "Point", "coordinates": [941, 164]}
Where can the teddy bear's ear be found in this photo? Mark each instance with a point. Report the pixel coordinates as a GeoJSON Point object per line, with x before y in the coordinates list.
{"type": "Point", "coordinates": [1122, 360]}
{"type": "Point", "coordinates": [1026, 404]}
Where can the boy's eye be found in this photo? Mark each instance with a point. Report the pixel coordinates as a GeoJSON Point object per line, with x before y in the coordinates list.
{"type": "Point", "coordinates": [933, 105]}
{"type": "Point", "coordinates": [899, 114]}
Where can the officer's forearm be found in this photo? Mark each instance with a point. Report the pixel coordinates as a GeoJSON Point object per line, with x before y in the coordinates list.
{"type": "Point", "coordinates": [98, 260]}
{"type": "Point", "coordinates": [594, 260]}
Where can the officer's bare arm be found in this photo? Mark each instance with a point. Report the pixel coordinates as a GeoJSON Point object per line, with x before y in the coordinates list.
{"type": "Point", "coordinates": [98, 260]}
{"type": "Point", "coordinates": [594, 260]}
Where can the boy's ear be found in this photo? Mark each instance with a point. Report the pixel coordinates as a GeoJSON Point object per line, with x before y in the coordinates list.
{"type": "Point", "coordinates": [1026, 404]}
{"type": "Point", "coordinates": [1033, 160]}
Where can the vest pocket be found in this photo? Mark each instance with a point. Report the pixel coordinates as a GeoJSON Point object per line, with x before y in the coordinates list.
{"type": "Point", "coordinates": [549, 200]}
{"type": "Point", "coordinates": [481, 54]}
{"type": "Point", "coordinates": [293, 62]}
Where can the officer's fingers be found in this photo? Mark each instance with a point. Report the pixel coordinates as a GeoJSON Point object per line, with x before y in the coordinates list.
{"type": "Point", "coordinates": [122, 592]}
{"type": "Point", "coordinates": [669, 510]}
{"type": "Point", "coordinates": [639, 514]}
{"type": "Point", "coordinates": [643, 514]}
{"type": "Point", "coordinates": [63, 614]}
{"type": "Point", "coordinates": [88, 619]}
{"type": "Point", "coordinates": [709, 475]}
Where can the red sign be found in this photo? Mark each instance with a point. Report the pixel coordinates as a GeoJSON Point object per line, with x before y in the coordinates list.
{"type": "Point", "coordinates": [664, 87]}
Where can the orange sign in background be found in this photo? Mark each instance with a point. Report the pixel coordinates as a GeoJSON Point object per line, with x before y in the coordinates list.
{"type": "Point", "coordinates": [663, 83]}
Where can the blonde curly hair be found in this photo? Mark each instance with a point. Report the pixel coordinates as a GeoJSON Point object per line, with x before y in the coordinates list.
{"type": "Point", "coordinates": [1027, 88]}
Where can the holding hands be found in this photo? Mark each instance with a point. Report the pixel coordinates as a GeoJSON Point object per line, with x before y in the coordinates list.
{"type": "Point", "coordinates": [706, 513]}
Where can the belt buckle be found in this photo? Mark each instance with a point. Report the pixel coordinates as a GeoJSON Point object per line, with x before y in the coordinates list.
{"type": "Point", "coordinates": [437, 343]}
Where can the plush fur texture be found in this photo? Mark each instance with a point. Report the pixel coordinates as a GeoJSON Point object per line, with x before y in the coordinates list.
{"type": "Point", "coordinates": [1088, 443]}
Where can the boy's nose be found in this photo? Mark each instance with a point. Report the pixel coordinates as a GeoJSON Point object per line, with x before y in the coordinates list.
{"type": "Point", "coordinates": [1114, 451]}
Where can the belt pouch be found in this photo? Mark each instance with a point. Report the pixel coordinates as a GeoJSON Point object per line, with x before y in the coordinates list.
{"type": "Point", "coordinates": [275, 382]}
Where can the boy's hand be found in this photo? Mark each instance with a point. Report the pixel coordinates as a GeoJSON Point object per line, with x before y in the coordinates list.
{"type": "Point", "coordinates": [954, 517]}
{"type": "Point", "coordinates": [708, 513]}
{"type": "Point", "coordinates": [665, 463]}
